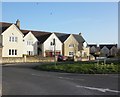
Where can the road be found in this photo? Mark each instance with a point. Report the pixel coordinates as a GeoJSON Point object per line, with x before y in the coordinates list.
{"type": "Point", "coordinates": [23, 80]}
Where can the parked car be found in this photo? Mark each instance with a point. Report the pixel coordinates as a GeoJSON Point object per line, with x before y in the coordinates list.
{"type": "Point", "coordinates": [61, 58]}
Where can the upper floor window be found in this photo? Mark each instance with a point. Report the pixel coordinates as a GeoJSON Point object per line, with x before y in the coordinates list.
{"type": "Point", "coordinates": [71, 45]}
{"type": "Point", "coordinates": [13, 39]}
{"type": "Point", "coordinates": [29, 42]}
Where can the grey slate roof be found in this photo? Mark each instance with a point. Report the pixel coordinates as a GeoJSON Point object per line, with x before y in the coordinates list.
{"type": "Point", "coordinates": [79, 38]}
{"type": "Point", "coordinates": [62, 36]}
{"type": "Point", "coordinates": [42, 35]}
{"type": "Point", "coordinates": [4, 26]}
{"type": "Point", "coordinates": [109, 46]}
{"type": "Point", "coordinates": [1, 45]}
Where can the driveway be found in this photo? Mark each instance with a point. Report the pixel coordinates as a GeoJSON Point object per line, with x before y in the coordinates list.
{"type": "Point", "coordinates": [23, 80]}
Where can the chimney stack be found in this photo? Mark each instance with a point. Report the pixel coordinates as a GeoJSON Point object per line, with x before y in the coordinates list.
{"type": "Point", "coordinates": [18, 23]}
{"type": "Point", "coordinates": [80, 33]}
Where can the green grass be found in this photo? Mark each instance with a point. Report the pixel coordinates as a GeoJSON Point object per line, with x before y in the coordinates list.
{"type": "Point", "coordinates": [83, 68]}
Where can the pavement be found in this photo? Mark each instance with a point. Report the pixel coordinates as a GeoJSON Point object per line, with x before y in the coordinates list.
{"type": "Point", "coordinates": [21, 79]}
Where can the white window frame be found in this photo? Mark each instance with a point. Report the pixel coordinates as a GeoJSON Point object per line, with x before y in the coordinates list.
{"type": "Point", "coordinates": [13, 39]}
{"type": "Point", "coordinates": [16, 39]}
{"type": "Point", "coordinates": [12, 52]}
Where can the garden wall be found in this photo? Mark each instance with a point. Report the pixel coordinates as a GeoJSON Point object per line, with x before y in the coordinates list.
{"type": "Point", "coordinates": [26, 59]}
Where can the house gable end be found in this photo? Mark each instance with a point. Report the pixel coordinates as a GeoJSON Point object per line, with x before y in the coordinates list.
{"type": "Point", "coordinates": [69, 37]}
{"type": "Point", "coordinates": [30, 33]}
{"type": "Point", "coordinates": [10, 28]}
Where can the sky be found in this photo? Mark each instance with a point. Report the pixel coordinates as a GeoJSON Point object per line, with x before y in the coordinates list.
{"type": "Point", "coordinates": [97, 21]}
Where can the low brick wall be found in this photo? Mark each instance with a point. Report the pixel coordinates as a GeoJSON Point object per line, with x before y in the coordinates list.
{"type": "Point", "coordinates": [27, 59]}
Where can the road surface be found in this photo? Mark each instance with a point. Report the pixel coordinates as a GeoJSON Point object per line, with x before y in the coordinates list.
{"type": "Point", "coordinates": [23, 80]}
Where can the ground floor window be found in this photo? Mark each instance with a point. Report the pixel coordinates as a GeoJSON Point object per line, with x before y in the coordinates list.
{"type": "Point", "coordinates": [12, 52]}
{"type": "Point", "coordinates": [51, 53]}
{"type": "Point", "coordinates": [71, 53]}
{"type": "Point", "coordinates": [29, 52]}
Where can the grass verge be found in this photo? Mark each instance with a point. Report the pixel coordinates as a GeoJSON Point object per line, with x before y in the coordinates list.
{"type": "Point", "coordinates": [83, 68]}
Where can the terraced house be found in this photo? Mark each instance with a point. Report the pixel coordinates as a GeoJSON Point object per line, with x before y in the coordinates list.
{"type": "Point", "coordinates": [16, 42]}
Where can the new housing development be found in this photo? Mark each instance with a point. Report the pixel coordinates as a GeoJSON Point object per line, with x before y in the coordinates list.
{"type": "Point", "coordinates": [17, 42]}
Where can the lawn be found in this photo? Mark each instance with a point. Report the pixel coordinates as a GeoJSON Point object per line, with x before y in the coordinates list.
{"type": "Point", "coordinates": [82, 67]}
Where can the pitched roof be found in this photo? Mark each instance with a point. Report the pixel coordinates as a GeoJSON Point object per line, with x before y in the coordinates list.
{"type": "Point", "coordinates": [4, 26]}
{"type": "Point", "coordinates": [91, 45]}
{"type": "Point", "coordinates": [109, 46]}
{"type": "Point", "coordinates": [40, 35]}
{"type": "Point", "coordinates": [62, 36]}
{"type": "Point", "coordinates": [79, 38]}
{"type": "Point", "coordinates": [1, 45]}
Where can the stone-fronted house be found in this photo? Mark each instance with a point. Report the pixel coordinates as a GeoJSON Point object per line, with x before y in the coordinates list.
{"type": "Point", "coordinates": [72, 44]}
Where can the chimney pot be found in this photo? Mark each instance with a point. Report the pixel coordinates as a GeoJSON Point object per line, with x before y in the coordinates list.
{"type": "Point", "coordinates": [80, 33]}
{"type": "Point", "coordinates": [18, 23]}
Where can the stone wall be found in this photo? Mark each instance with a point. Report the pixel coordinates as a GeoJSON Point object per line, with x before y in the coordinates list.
{"type": "Point", "coordinates": [26, 59]}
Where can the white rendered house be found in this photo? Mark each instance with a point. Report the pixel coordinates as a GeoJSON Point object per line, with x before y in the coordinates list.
{"type": "Point", "coordinates": [12, 42]}
{"type": "Point", "coordinates": [30, 44]}
{"type": "Point", "coordinates": [48, 46]}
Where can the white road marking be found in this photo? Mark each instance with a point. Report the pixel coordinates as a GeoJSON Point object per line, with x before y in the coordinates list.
{"type": "Point", "coordinates": [36, 75]}
{"type": "Point", "coordinates": [91, 88]}
{"type": "Point", "coordinates": [98, 89]}
{"type": "Point", "coordinates": [69, 78]}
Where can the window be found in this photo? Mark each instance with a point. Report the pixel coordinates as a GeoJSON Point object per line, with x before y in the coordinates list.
{"type": "Point", "coordinates": [51, 43]}
{"type": "Point", "coordinates": [9, 51]}
{"type": "Point", "coordinates": [13, 39]}
{"type": "Point", "coordinates": [12, 52]}
{"type": "Point", "coordinates": [10, 39]}
{"type": "Point", "coordinates": [16, 39]}
{"type": "Point", "coordinates": [29, 53]}
{"type": "Point", "coordinates": [71, 45]}
{"type": "Point", "coordinates": [15, 52]}
{"type": "Point", "coordinates": [71, 53]}
{"type": "Point", "coordinates": [29, 42]}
